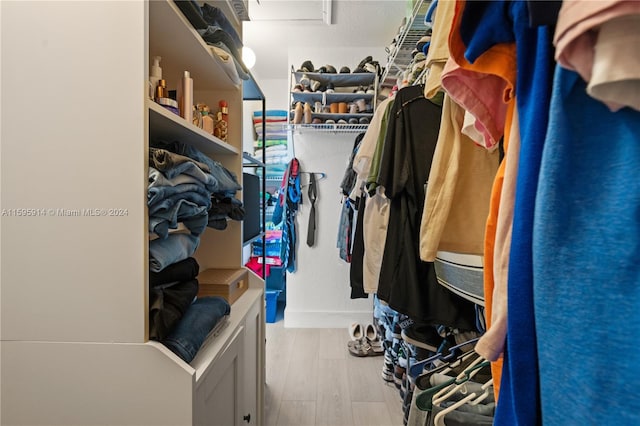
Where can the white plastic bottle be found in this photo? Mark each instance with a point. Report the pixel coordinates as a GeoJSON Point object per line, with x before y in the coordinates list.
{"type": "Point", "coordinates": [155, 77]}
{"type": "Point", "coordinates": [185, 97]}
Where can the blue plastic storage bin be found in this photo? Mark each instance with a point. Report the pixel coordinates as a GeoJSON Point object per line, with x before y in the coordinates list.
{"type": "Point", "coordinates": [276, 279]}
{"type": "Point", "coordinates": [271, 297]}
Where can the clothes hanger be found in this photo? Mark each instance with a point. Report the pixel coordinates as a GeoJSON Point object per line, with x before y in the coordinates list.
{"type": "Point", "coordinates": [422, 381]}
{"type": "Point", "coordinates": [416, 369]}
{"type": "Point", "coordinates": [424, 401]}
{"type": "Point", "coordinates": [439, 418]}
{"type": "Point", "coordinates": [460, 381]}
{"type": "Point", "coordinates": [486, 392]}
{"type": "Point", "coordinates": [469, 399]}
{"type": "Point", "coordinates": [319, 176]}
{"type": "Point", "coordinates": [428, 17]}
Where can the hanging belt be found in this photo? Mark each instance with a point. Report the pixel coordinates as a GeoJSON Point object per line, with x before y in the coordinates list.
{"type": "Point", "coordinates": [313, 195]}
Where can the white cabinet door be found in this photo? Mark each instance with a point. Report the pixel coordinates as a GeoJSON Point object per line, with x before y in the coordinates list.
{"type": "Point", "coordinates": [218, 400]}
{"type": "Point", "coordinates": [252, 364]}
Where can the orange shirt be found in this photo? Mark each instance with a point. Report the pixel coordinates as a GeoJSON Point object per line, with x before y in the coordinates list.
{"type": "Point", "coordinates": [495, 111]}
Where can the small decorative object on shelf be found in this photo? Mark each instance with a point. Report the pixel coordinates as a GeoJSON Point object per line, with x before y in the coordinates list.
{"type": "Point", "coordinates": [221, 123]}
{"type": "Point", "coordinates": [161, 89]}
{"type": "Point", "coordinates": [220, 127]}
{"type": "Point", "coordinates": [227, 283]}
{"type": "Point", "coordinates": [155, 77]}
{"type": "Point", "coordinates": [224, 109]}
{"type": "Point", "coordinates": [169, 104]}
{"type": "Point", "coordinates": [185, 97]}
{"type": "Point", "coordinates": [206, 119]}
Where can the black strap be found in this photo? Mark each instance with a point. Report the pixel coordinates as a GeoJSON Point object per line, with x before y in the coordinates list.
{"type": "Point", "coordinates": [313, 195]}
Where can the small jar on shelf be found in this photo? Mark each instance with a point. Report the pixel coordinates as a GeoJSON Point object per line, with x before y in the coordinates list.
{"type": "Point", "coordinates": [207, 121]}
{"type": "Point", "coordinates": [220, 127]}
{"type": "Point", "coordinates": [221, 122]}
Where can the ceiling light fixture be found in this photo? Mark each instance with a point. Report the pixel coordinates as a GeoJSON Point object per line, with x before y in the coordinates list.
{"type": "Point", "coordinates": [248, 57]}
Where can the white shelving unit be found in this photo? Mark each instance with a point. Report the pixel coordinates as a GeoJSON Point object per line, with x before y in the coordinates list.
{"type": "Point", "coordinates": [400, 57]}
{"type": "Point", "coordinates": [345, 86]}
{"type": "Point", "coordinates": [74, 333]}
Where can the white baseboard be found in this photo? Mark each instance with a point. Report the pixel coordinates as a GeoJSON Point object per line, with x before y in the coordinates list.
{"type": "Point", "coordinates": [307, 319]}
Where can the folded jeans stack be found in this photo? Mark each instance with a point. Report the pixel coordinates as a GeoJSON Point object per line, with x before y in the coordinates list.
{"type": "Point", "coordinates": [203, 318]}
{"type": "Point", "coordinates": [170, 294]}
{"type": "Point", "coordinates": [221, 184]}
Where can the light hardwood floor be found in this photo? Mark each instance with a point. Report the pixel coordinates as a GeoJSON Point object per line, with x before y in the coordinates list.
{"type": "Point", "coordinates": [313, 380]}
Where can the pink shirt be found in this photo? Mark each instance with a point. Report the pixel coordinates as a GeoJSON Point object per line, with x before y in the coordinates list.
{"type": "Point", "coordinates": [584, 44]}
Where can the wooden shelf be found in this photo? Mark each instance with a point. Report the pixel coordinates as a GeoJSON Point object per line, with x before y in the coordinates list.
{"type": "Point", "coordinates": [167, 126]}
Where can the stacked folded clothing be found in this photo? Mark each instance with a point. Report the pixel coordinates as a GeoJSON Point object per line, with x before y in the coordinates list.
{"type": "Point", "coordinates": [271, 148]}
{"type": "Point", "coordinates": [204, 318]}
{"type": "Point", "coordinates": [216, 30]}
{"type": "Point", "coordinates": [274, 138]}
{"type": "Point", "coordinates": [170, 294]}
{"type": "Point", "coordinates": [274, 154]}
{"type": "Point", "coordinates": [273, 130]}
{"type": "Point", "coordinates": [187, 187]}
{"type": "Point", "coordinates": [273, 239]}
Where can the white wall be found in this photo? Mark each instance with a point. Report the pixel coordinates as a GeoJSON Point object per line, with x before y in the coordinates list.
{"type": "Point", "coordinates": [318, 293]}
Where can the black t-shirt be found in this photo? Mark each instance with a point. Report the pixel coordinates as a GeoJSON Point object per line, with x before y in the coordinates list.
{"type": "Point", "coordinates": [407, 283]}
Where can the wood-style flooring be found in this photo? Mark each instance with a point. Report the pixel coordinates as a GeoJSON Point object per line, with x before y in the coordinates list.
{"type": "Point", "coordinates": [313, 380]}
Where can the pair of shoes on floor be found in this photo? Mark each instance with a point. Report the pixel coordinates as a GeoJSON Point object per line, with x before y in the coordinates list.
{"type": "Point", "coordinates": [364, 341]}
{"type": "Point", "coordinates": [365, 347]}
{"type": "Point", "coordinates": [357, 331]}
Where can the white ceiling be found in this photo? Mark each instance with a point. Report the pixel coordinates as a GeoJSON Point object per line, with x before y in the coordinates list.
{"type": "Point", "coordinates": [280, 25]}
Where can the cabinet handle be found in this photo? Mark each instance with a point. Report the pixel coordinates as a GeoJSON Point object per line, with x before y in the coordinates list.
{"type": "Point", "coordinates": [247, 418]}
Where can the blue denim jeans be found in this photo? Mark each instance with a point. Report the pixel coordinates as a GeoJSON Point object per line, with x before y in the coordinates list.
{"type": "Point", "coordinates": [187, 203]}
{"type": "Point", "coordinates": [203, 16]}
{"type": "Point", "coordinates": [200, 318]}
{"type": "Point", "coordinates": [167, 305]}
{"type": "Point", "coordinates": [193, 216]}
{"type": "Point", "coordinates": [162, 197]}
{"type": "Point", "coordinates": [227, 183]}
{"type": "Point", "coordinates": [163, 159]}
{"type": "Point", "coordinates": [215, 16]}
{"type": "Point", "coordinates": [174, 248]}
{"type": "Point", "coordinates": [190, 169]}
{"type": "Point", "coordinates": [157, 178]}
